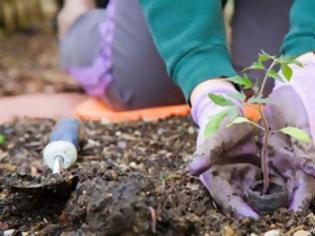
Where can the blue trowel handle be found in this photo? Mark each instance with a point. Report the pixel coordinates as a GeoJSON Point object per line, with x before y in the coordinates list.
{"type": "Point", "coordinates": [62, 150]}
{"type": "Point", "coordinates": [69, 130]}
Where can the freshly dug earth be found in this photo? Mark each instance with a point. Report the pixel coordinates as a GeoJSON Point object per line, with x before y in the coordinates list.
{"type": "Point", "coordinates": [130, 179]}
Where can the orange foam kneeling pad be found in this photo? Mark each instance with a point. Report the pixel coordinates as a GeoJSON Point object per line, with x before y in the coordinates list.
{"type": "Point", "coordinates": [93, 109]}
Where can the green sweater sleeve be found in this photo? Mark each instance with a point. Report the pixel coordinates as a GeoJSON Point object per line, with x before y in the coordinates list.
{"type": "Point", "coordinates": [301, 36]}
{"type": "Point", "coordinates": [190, 37]}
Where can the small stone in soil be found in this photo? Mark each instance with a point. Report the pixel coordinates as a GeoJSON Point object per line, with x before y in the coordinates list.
{"type": "Point", "coordinates": [302, 233]}
{"type": "Point", "coordinates": [274, 232]}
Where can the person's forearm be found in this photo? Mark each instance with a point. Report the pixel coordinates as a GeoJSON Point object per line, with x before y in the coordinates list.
{"type": "Point", "coordinates": [190, 37]}
{"type": "Point", "coordinates": [301, 36]}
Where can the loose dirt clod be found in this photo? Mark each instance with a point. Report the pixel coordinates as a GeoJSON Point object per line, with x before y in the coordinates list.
{"type": "Point", "coordinates": [111, 196]}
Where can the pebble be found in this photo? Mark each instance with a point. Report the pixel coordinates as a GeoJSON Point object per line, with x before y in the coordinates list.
{"type": "Point", "coordinates": [191, 130]}
{"type": "Point", "coordinates": [160, 131]}
{"type": "Point", "coordinates": [302, 233]}
{"type": "Point", "coordinates": [123, 167]}
{"type": "Point", "coordinates": [122, 144]}
{"type": "Point", "coordinates": [193, 187]}
{"type": "Point", "coordinates": [104, 121]}
{"type": "Point", "coordinates": [228, 231]}
{"type": "Point", "coordinates": [274, 232]}
{"type": "Point", "coordinates": [8, 232]}
{"type": "Point", "coordinates": [132, 164]}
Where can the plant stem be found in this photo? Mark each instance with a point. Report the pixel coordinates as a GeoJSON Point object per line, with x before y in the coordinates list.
{"type": "Point", "coordinates": [256, 125]}
{"type": "Point", "coordinates": [264, 154]}
{"type": "Point", "coordinates": [263, 84]}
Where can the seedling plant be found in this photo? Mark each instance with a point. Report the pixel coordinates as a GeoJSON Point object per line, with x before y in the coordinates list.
{"type": "Point", "coordinates": [256, 102]}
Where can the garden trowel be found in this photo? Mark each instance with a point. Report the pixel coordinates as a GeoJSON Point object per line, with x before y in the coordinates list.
{"type": "Point", "coordinates": [60, 153]}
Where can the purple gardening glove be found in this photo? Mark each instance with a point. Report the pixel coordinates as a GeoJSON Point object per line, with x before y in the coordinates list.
{"type": "Point", "coordinates": [217, 159]}
{"type": "Point", "coordinates": [227, 162]}
{"type": "Point", "coordinates": [292, 104]}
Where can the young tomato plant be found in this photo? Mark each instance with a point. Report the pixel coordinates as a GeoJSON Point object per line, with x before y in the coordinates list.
{"type": "Point", "coordinates": [255, 103]}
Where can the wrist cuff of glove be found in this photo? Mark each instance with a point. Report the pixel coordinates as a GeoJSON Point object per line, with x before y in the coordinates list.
{"type": "Point", "coordinates": [203, 102]}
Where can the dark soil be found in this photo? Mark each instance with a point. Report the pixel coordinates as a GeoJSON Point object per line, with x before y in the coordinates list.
{"type": "Point", "coordinates": [29, 64]}
{"type": "Point", "coordinates": [265, 203]}
{"type": "Point", "coordinates": [130, 179]}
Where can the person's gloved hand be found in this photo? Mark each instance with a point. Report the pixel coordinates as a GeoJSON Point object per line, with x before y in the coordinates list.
{"type": "Point", "coordinates": [217, 159]}
{"type": "Point", "coordinates": [302, 86]}
{"type": "Point", "coordinates": [70, 12]}
{"type": "Point", "coordinates": [292, 104]}
{"type": "Point", "coordinates": [227, 162]}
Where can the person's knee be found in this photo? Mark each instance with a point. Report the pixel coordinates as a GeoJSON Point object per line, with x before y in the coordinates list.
{"type": "Point", "coordinates": [81, 44]}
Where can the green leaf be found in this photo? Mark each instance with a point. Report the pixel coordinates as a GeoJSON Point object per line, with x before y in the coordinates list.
{"type": "Point", "coordinates": [232, 112]}
{"type": "Point", "coordinates": [286, 71]}
{"type": "Point", "coordinates": [2, 139]}
{"type": "Point", "coordinates": [274, 75]}
{"type": "Point", "coordinates": [297, 134]}
{"type": "Point", "coordinates": [220, 100]}
{"type": "Point", "coordinates": [214, 123]}
{"type": "Point", "coordinates": [241, 80]}
{"type": "Point", "coordinates": [237, 96]}
{"type": "Point", "coordinates": [239, 120]}
{"type": "Point", "coordinates": [296, 62]}
{"type": "Point", "coordinates": [270, 57]}
{"type": "Point", "coordinates": [262, 57]}
{"type": "Point", "coordinates": [286, 60]}
{"type": "Point", "coordinates": [255, 66]}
